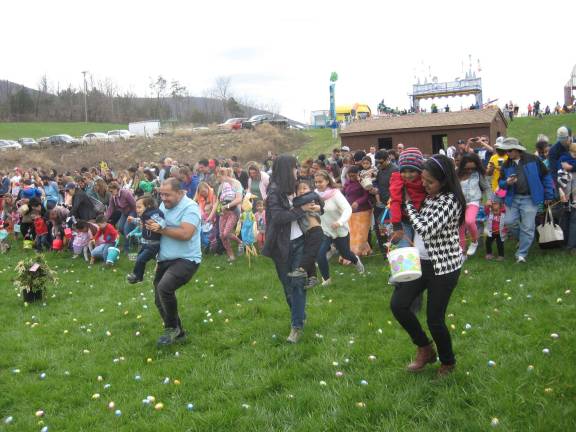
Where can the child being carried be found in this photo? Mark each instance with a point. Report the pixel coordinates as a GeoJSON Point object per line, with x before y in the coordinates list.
{"type": "Point", "coordinates": [146, 208]}
{"type": "Point", "coordinates": [313, 234]}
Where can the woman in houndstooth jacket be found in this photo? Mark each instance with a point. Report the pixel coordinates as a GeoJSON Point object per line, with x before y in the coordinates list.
{"type": "Point", "coordinates": [436, 228]}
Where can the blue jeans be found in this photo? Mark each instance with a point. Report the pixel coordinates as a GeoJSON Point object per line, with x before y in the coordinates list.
{"type": "Point", "coordinates": [147, 253]}
{"type": "Point", "coordinates": [408, 234]}
{"type": "Point", "coordinates": [521, 222]}
{"type": "Point", "coordinates": [342, 246]}
{"type": "Point", "coordinates": [294, 287]}
{"type": "Point", "coordinates": [101, 251]}
{"type": "Point", "coordinates": [124, 228]}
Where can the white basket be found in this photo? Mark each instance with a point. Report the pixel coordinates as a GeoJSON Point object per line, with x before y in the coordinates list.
{"type": "Point", "coordinates": [404, 264]}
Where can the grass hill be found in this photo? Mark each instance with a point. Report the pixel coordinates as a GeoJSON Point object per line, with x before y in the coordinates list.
{"type": "Point", "coordinates": [16, 130]}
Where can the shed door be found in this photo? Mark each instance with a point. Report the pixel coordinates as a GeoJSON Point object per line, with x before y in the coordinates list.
{"type": "Point", "coordinates": [384, 143]}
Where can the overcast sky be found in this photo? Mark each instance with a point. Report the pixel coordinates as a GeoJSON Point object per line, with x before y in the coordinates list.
{"type": "Point", "coordinates": [284, 52]}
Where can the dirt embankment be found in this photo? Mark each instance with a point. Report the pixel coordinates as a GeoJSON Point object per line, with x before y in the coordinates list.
{"type": "Point", "coordinates": [184, 146]}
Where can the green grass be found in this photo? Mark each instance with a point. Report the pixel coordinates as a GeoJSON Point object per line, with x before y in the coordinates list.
{"type": "Point", "coordinates": [16, 130]}
{"type": "Point", "coordinates": [526, 129]}
{"type": "Point", "coordinates": [237, 320]}
{"type": "Point", "coordinates": [321, 141]}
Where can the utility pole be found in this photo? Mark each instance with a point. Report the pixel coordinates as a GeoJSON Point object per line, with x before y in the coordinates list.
{"type": "Point", "coordinates": [85, 98]}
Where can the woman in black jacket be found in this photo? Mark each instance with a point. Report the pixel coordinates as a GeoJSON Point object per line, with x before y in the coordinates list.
{"type": "Point", "coordinates": [82, 207]}
{"type": "Point", "coordinates": [436, 226]}
{"type": "Point", "coordinates": [284, 239]}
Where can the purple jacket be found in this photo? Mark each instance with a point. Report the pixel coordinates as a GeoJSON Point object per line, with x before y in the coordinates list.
{"type": "Point", "coordinates": [124, 202]}
{"type": "Point", "coordinates": [354, 192]}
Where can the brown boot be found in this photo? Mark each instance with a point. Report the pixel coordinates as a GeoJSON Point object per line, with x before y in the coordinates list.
{"type": "Point", "coordinates": [424, 355]}
{"type": "Point", "coordinates": [445, 370]}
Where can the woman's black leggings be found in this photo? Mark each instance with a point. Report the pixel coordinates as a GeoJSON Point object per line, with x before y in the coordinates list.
{"type": "Point", "coordinates": [439, 291]}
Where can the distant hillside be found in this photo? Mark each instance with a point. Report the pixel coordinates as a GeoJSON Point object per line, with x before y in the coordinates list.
{"type": "Point", "coordinates": [21, 103]}
{"type": "Point", "coordinates": [185, 146]}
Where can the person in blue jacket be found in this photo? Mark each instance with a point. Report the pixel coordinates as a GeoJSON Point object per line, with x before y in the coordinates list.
{"type": "Point", "coordinates": [528, 184]}
{"type": "Point", "coordinates": [564, 139]}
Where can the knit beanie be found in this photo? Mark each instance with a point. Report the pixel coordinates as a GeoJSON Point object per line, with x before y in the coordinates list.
{"type": "Point", "coordinates": [411, 158]}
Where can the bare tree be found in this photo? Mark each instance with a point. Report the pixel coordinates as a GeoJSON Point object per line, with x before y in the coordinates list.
{"type": "Point", "coordinates": [158, 86]}
{"type": "Point", "coordinates": [223, 91]}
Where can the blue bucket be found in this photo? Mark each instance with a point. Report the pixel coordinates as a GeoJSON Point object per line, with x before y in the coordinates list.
{"type": "Point", "coordinates": [113, 255]}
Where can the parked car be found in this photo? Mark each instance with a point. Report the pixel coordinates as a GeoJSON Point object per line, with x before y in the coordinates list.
{"type": "Point", "coordinates": [9, 145]}
{"type": "Point", "coordinates": [94, 137]}
{"type": "Point", "coordinates": [232, 124]}
{"type": "Point", "coordinates": [63, 139]}
{"type": "Point", "coordinates": [122, 134]}
{"type": "Point", "coordinates": [259, 119]}
{"type": "Point", "coordinates": [28, 142]}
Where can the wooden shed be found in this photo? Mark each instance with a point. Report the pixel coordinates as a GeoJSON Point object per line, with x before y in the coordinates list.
{"type": "Point", "coordinates": [429, 132]}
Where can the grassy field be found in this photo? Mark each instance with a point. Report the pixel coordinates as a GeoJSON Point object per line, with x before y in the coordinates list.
{"type": "Point", "coordinates": [15, 130]}
{"type": "Point", "coordinates": [239, 373]}
{"type": "Point", "coordinates": [526, 129]}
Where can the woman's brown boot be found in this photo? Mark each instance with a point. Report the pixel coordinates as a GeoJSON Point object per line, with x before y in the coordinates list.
{"type": "Point", "coordinates": [424, 355]}
{"type": "Point", "coordinates": [445, 370]}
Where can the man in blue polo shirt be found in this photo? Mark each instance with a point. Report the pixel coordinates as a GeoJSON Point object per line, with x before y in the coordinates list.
{"type": "Point", "coordinates": [179, 257]}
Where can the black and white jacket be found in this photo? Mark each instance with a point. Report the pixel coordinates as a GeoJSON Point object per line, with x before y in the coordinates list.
{"type": "Point", "coordinates": [438, 223]}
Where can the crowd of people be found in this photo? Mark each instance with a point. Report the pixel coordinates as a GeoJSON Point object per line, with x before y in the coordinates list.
{"type": "Point", "coordinates": [300, 214]}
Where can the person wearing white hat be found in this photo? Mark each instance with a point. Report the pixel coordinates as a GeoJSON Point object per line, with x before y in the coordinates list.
{"type": "Point", "coordinates": [528, 184]}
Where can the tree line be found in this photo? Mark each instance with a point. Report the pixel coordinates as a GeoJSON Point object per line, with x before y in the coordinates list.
{"type": "Point", "coordinates": [105, 102]}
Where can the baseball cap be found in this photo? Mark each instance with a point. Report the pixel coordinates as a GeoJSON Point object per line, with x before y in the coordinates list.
{"type": "Point", "coordinates": [70, 186]}
{"type": "Point", "coordinates": [345, 149]}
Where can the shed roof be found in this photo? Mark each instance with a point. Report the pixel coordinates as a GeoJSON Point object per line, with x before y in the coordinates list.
{"type": "Point", "coordinates": [424, 121]}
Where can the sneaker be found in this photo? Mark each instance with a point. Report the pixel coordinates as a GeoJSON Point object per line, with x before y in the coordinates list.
{"type": "Point", "coordinates": [472, 249]}
{"type": "Point", "coordinates": [520, 259]}
{"type": "Point", "coordinates": [311, 282]}
{"type": "Point", "coordinates": [132, 279]}
{"type": "Point", "coordinates": [169, 337]}
{"type": "Point", "coordinates": [331, 252]}
{"type": "Point", "coordinates": [294, 335]}
{"type": "Point", "coordinates": [359, 266]}
{"type": "Point", "coordinates": [75, 256]}
{"type": "Point", "coordinates": [326, 282]}
{"type": "Point", "coordinates": [489, 257]}
{"type": "Point", "coordinates": [298, 273]}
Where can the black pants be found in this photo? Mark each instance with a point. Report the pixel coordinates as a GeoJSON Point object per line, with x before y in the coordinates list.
{"type": "Point", "coordinates": [312, 241]}
{"type": "Point", "coordinates": [379, 237]}
{"type": "Point", "coordinates": [439, 291]}
{"type": "Point", "coordinates": [171, 275]}
{"type": "Point", "coordinates": [499, 244]}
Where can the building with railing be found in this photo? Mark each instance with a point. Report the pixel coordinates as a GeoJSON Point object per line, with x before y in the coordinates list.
{"type": "Point", "coordinates": [463, 87]}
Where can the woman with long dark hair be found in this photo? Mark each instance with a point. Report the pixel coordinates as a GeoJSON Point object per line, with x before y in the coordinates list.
{"type": "Point", "coordinates": [475, 186]}
{"type": "Point", "coordinates": [436, 237]}
{"type": "Point", "coordinates": [284, 238]}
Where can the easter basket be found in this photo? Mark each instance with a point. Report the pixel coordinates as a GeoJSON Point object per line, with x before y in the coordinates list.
{"type": "Point", "coordinates": [404, 264]}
